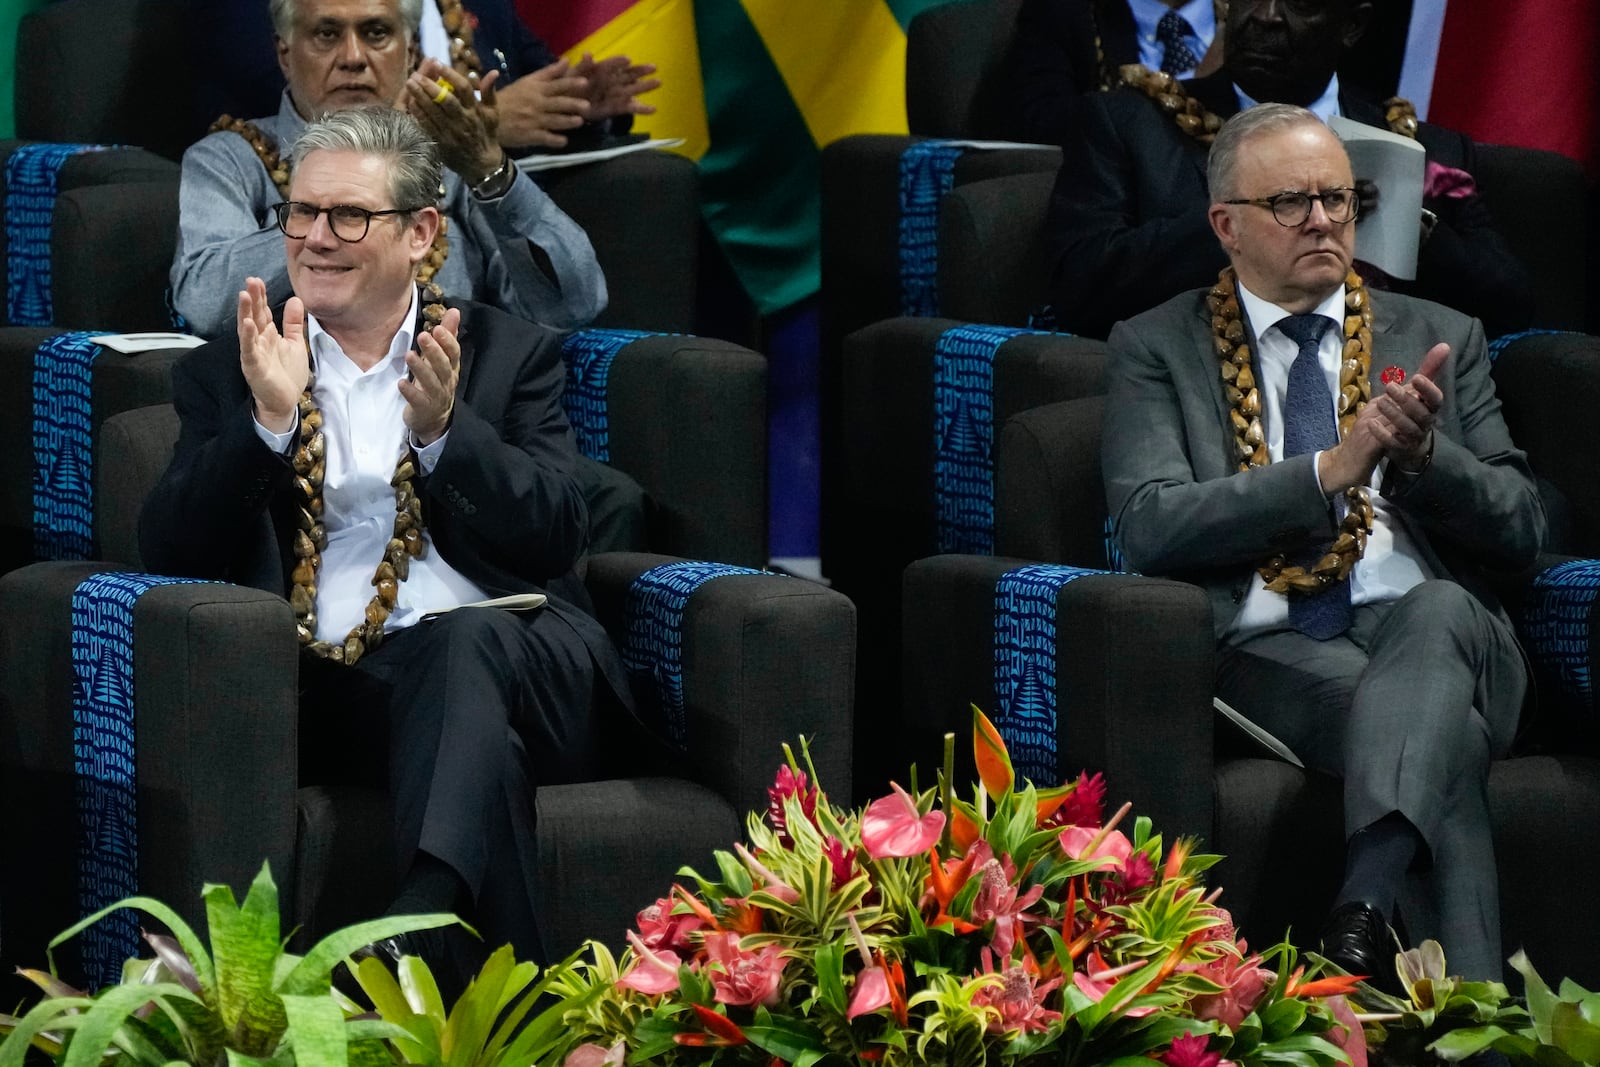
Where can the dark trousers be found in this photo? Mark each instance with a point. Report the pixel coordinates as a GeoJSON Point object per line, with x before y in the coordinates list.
{"type": "Point", "coordinates": [461, 719]}
{"type": "Point", "coordinates": [1408, 708]}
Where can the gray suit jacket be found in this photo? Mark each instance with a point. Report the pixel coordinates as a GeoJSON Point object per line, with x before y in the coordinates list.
{"type": "Point", "coordinates": [1182, 508]}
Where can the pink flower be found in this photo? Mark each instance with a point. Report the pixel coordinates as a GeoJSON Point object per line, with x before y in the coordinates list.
{"type": "Point", "coordinates": [743, 977]}
{"type": "Point", "coordinates": [660, 929]}
{"type": "Point", "coordinates": [1190, 1051]}
{"type": "Point", "coordinates": [789, 783]}
{"type": "Point", "coordinates": [652, 973]}
{"type": "Point", "coordinates": [1346, 1032]}
{"type": "Point", "coordinates": [1019, 997]}
{"type": "Point", "coordinates": [1243, 982]}
{"type": "Point", "coordinates": [997, 902]}
{"type": "Point", "coordinates": [891, 827]}
{"type": "Point", "coordinates": [841, 859]}
{"type": "Point", "coordinates": [592, 1055]}
{"type": "Point", "coordinates": [1113, 849]}
{"type": "Point", "coordinates": [1096, 986]}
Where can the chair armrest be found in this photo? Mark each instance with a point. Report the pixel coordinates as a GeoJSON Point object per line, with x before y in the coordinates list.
{"type": "Point", "coordinates": [125, 291]}
{"type": "Point", "coordinates": [1134, 665]}
{"type": "Point", "coordinates": [1049, 495]}
{"type": "Point", "coordinates": [642, 214]}
{"type": "Point", "coordinates": [1556, 624]}
{"type": "Point", "coordinates": [992, 264]}
{"type": "Point", "coordinates": [685, 417]}
{"type": "Point", "coordinates": [215, 714]}
{"type": "Point", "coordinates": [765, 658]}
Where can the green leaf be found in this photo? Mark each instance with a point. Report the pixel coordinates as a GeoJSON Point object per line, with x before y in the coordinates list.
{"type": "Point", "coordinates": [1541, 1002]}
{"type": "Point", "coordinates": [784, 1037]}
{"type": "Point", "coordinates": [830, 976]}
{"type": "Point", "coordinates": [245, 946]}
{"type": "Point", "coordinates": [1282, 1018]}
{"type": "Point", "coordinates": [312, 974]}
{"type": "Point", "coordinates": [316, 1031]}
{"type": "Point", "coordinates": [421, 991]}
{"type": "Point", "coordinates": [106, 1016]}
{"type": "Point", "coordinates": [467, 1028]}
{"type": "Point", "coordinates": [51, 1014]}
{"type": "Point", "coordinates": [192, 945]}
{"type": "Point", "coordinates": [1459, 1044]}
{"type": "Point", "coordinates": [1573, 1034]}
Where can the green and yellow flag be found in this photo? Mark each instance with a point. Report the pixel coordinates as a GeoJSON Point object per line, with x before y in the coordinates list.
{"type": "Point", "coordinates": [755, 88]}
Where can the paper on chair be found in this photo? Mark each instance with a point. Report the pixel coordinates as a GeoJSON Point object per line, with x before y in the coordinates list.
{"type": "Point", "coordinates": [130, 343]}
{"type": "Point", "coordinates": [1387, 236]}
{"type": "Point", "coordinates": [514, 602]}
{"type": "Point", "coordinates": [554, 161]}
{"type": "Point", "coordinates": [1256, 733]}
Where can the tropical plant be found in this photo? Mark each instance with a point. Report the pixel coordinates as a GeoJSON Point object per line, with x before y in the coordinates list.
{"type": "Point", "coordinates": [244, 1001]}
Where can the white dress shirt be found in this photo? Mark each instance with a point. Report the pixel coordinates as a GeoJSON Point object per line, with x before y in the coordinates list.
{"type": "Point", "coordinates": [1201, 15]}
{"type": "Point", "coordinates": [364, 433]}
{"type": "Point", "coordinates": [1324, 107]}
{"type": "Point", "coordinates": [1391, 564]}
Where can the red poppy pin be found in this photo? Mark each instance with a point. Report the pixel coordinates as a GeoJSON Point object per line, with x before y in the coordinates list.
{"type": "Point", "coordinates": [1393, 375]}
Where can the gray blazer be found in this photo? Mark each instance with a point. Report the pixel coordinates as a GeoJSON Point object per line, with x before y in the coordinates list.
{"type": "Point", "coordinates": [1181, 507]}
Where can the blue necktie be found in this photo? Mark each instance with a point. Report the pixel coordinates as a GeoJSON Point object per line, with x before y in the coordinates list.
{"type": "Point", "coordinates": [1173, 33]}
{"type": "Point", "coordinates": [1308, 426]}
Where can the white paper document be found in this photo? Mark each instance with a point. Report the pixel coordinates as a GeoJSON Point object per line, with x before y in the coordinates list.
{"type": "Point", "coordinates": [554, 161]}
{"type": "Point", "coordinates": [130, 343]}
{"type": "Point", "coordinates": [514, 602]}
{"type": "Point", "coordinates": [1388, 233]}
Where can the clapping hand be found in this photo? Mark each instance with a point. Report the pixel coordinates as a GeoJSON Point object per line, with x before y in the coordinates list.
{"type": "Point", "coordinates": [275, 362]}
{"type": "Point", "coordinates": [537, 108]}
{"type": "Point", "coordinates": [464, 119]}
{"type": "Point", "coordinates": [430, 388]}
{"type": "Point", "coordinates": [1406, 411]}
{"type": "Point", "coordinates": [615, 84]}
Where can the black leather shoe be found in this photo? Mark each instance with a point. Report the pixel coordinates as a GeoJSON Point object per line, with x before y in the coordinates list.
{"type": "Point", "coordinates": [1357, 938]}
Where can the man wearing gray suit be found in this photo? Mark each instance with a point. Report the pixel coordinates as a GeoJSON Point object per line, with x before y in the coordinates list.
{"type": "Point", "coordinates": [1340, 517]}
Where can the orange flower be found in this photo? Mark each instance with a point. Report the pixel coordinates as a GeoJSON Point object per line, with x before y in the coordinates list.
{"type": "Point", "coordinates": [994, 762]}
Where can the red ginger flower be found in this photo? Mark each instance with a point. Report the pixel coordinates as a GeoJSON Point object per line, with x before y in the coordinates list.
{"type": "Point", "coordinates": [841, 859]}
{"type": "Point", "coordinates": [1190, 1051]}
{"type": "Point", "coordinates": [790, 783]}
{"type": "Point", "coordinates": [743, 977]}
{"type": "Point", "coordinates": [1085, 805]}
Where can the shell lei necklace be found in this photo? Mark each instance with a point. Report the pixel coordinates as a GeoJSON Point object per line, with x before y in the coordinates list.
{"type": "Point", "coordinates": [405, 544]}
{"type": "Point", "coordinates": [278, 171]}
{"type": "Point", "coordinates": [1249, 441]}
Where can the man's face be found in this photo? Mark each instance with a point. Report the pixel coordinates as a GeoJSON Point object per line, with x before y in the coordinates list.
{"type": "Point", "coordinates": [1285, 51]}
{"type": "Point", "coordinates": [345, 53]}
{"type": "Point", "coordinates": [362, 284]}
{"type": "Point", "coordinates": [1295, 267]}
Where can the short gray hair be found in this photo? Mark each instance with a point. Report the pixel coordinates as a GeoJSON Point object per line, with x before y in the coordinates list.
{"type": "Point", "coordinates": [412, 157]}
{"type": "Point", "coordinates": [1256, 121]}
{"type": "Point", "coordinates": [284, 11]}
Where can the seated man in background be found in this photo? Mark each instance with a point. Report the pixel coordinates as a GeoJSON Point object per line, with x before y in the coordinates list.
{"type": "Point", "coordinates": [1127, 226]}
{"type": "Point", "coordinates": [1341, 543]}
{"type": "Point", "coordinates": [504, 241]}
{"type": "Point", "coordinates": [377, 455]}
{"type": "Point", "coordinates": [1064, 49]}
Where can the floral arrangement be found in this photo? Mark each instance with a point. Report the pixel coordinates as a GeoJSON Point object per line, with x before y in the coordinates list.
{"type": "Point", "coordinates": [1020, 926]}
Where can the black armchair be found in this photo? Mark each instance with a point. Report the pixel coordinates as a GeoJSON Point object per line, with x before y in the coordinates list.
{"type": "Point", "coordinates": [1132, 659]}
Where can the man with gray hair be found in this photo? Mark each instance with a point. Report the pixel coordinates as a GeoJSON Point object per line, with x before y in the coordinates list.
{"type": "Point", "coordinates": [1341, 540]}
{"type": "Point", "coordinates": [504, 241]}
{"type": "Point", "coordinates": [380, 456]}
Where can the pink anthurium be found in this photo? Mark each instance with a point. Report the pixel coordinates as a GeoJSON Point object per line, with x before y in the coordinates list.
{"type": "Point", "coordinates": [892, 828]}
{"type": "Point", "coordinates": [652, 972]}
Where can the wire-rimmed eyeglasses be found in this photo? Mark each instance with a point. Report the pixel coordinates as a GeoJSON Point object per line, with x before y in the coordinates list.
{"type": "Point", "coordinates": [348, 222]}
{"type": "Point", "coordinates": [1293, 208]}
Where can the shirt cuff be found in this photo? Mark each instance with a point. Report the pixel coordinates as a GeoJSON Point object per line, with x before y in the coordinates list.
{"type": "Point", "coordinates": [428, 455]}
{"type": "Point", "coordinates": [278, 442]}
{"type": "Point", "coordinates": [1316, 475]}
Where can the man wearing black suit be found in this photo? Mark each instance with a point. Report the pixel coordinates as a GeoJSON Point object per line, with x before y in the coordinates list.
{"type": "Point", "coordinates": [1127, 226]}
{"type": "Point", "coordinates": [377, 457]}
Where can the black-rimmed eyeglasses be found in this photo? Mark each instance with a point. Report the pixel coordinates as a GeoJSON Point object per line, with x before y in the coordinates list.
{"type": "Point", "coordinates": [1293, 208]}
{"type": "Point", "coordinates": [348, 222]}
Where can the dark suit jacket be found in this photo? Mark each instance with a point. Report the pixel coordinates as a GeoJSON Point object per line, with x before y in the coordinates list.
{"type": "Point", "coordinates": [1181, 507]}
{"type": "Point", "coordinates": [1127, 224]}
{"type": "Point", "coordinates": [1054, 64]}
{"type": "Point", "coordinates": [502, 505]}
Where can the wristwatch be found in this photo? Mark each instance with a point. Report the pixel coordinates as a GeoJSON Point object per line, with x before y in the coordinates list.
{"type": "Point", "coordinates": [496, 183]}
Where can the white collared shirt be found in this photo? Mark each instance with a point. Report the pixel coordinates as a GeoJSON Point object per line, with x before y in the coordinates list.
{"type": "Point", "coordinates": [1201, 15]}
{"type": "Point", "coordinates": [364, 434]}
{"type": "Point", "coordinates": [1324, 107]}
{"type": "Point", "coordinates": [1391, 564]}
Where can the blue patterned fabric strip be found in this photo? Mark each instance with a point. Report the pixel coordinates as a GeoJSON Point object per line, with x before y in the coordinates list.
{"type": "Point", "coordinates": [653, 646]}
{"type": "Point", "coordinates": [63, 453]}
{"type": "Point", "coordinates": [927, 172]}
{"type": "Point", "coordinates": [1555, 625]}
{"type": "Point", "coordinates": [1115, 562]}
{"type": "Point", "coordinates": [104, 763]}
{"type": "Point", "coordinates": [1500, 344]}
{"type": "Point", "coordinates": [588, 355]}
{"type": "Point", "coordinates": [963, 436]}
{"type": "Point", "coordinates": [32, 174]}
{"type": "Point", "coordinates": [1025, 666]}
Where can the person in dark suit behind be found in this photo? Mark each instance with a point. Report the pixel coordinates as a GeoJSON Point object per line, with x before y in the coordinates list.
{"type": "Point", "coordinates": [1064, 49]}
{"type": "Point", "coordinates": [1127, 225]}
{"type": "Point", "coordinates": [1342, 544]}
{"type": "Point", "coordinates": [377, 456]}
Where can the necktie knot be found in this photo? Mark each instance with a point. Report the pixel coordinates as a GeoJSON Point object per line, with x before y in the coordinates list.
{"type": "Point", "coordinates": [1305, 330]}
{"type": "Point", "coordinates": [1173, 33]}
